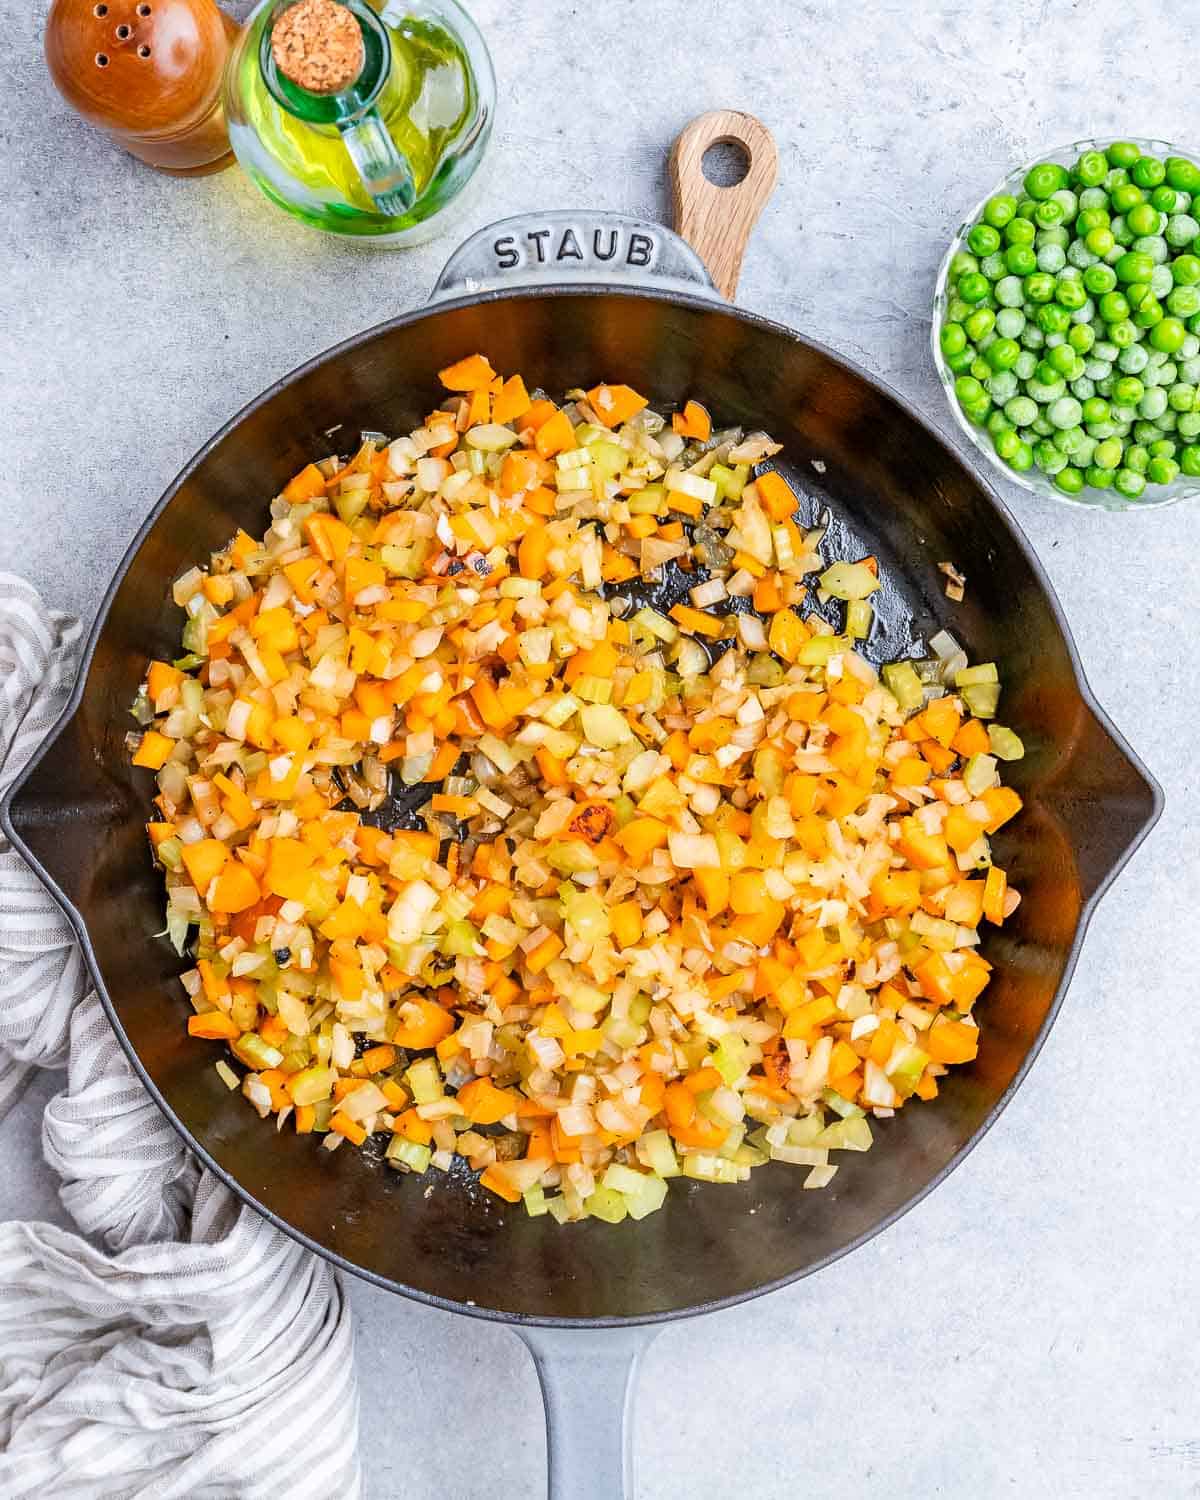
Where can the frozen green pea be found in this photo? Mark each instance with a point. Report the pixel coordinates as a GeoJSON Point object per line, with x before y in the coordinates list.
{"type": "Point", "coordinates": [1181, 230]}
{"type": "Point", "coordinates": [962, 263]}
{"type": "Point", "coordinates": [1163, 448]}
{"type": "Point", "coordinates": [1093, 197]}
{"type": "Point", "coordinates": [1022, 459]}
{"type": "Point", "coordinates": [1153, 404]}
{"type": "Point", "coordinates": [1084, 314]}
{"type": "Point", "coordinates": [1002, 386]}
{"type": "Point", "coordinates": [1189, 461]}
{"type": "Point", "coordinates": [1065, 412]}
{"type": "Point", "coordinates": [1068, 201]}
{"type": "Point", "coordinates": [979, 323]}
{"type": "Point", "coordinates": [1040, 427]}
{"type": "Point", "coordinates": [1099, 479]}
{"type": "Point", "coordinates": [1125, 415]}
{"type": "Point", "coordinates": [1032, 336]}
{"type": "Point", "coordinates": [997, 422]}
{"type": "Point", "coordinates": [1021, 411]}
{"type": "Point", "coordinates": [1162, 470]}
{"type": "Point", "coordinates": [1182, 396]}
{"type": "Point", "coordinates": [1009, 292]}
{"type": "Point", "coordinates": [1083, 388]}
{"type": "Point", "coordinates": [1121, 231]}
{"type": "Point", "coordinates": [1010, 321]}
{"type": "Point", "coordinates": [1190, 347]}
{"type": "Point", "coordinates": [1051, 258]}
{"type": "Point", "coordinates": [1101, 431]}
{"type": "Point", "coordinates": [1152, 245]}
{"type": "Point", "coordinates": [1136, 457]}
{"type": "Point", "coordinates": [1161, 282]}
{"type": "Point", "coordinates": [1105, 349]}
{"type": "Point", "coordinates": [1044, 392]}
{"type": "Point", "coordinates": [1145, 433]}
{"type": "Point", "coordinates": [1052, 234]}
{"type": "Point", "coordinates": [1129, 483]}
{"type": "Point", "coordinates": [1098, 369]}
{"type": "Point", "coordinates": [1081, 337]}
{"type": "Point", "coordinates": [1079, 255]}
{"type": "Point", "coordinates": [957, 309]}
{"type": "Point", "coordinates": [1070, 480]}
{"type": "Point", "coordinates": [1168, 422]}
{"type": "Point", "coordinates": [1123, 333]}
{"type": "Point", "coordinates": [1006, 443]}
{"type": "Point", "coordinates": [1069, 440]}
{"type": "Point", "coordinates": [1049, 459]}
{"type": "Point", "coordinates": [993, 266]}
{"type": "Point", "coordinates": [1133, 361]}
{"type": "Point", "coordinates": [1085, 451]}
{"type": "Point", "coordinates": [1026, 364]}
{"type": "Point", "coordinates": [1188, 425]}
{"type": "Point", "coordinates": [1108, 453]}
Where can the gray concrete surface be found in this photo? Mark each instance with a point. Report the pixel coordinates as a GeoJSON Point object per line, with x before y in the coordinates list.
{"type": "Point", "coordinates": [1029, 1330]}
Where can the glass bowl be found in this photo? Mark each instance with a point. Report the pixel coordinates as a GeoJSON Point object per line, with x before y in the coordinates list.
{"type": "Point", "coordinates": [1154, 496]}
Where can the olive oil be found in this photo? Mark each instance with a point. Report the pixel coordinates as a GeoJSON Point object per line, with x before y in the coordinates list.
{"type": "Point", "coordinates": [419, 115]}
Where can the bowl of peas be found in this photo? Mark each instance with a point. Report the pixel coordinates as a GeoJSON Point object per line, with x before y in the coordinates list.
{"type": "Point", "coordinates": [1066, 325]}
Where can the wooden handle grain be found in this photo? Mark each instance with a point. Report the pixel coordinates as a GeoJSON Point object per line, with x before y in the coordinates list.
{"type": "Point", "coordinates": [717, 221]}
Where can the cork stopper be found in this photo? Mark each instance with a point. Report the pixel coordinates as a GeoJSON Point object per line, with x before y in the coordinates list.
{"type": "Point", "coordinates": [318, 44]}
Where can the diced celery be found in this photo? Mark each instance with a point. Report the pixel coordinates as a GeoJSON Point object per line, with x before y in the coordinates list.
{"type": "Point", "coordinates": [905, 1066]}
{"type": "Point", "coordinates": [969, 676]}
{"type": "Point", "coordinates": [255, 1053]}
{"type": "Point", "coordinates": [860, 616]}
{"type": "Point", "coordinates": [982, 699]}
{"type": "Point", "coordinates": [656, 1150]}
{"type": "Point", "coordinates": [170, 854]}
{"type": "Point", "coordinates": [750, 1156]}
{"type": "Point", "coordinates": [804, 1131]}
{"type": "Point", "coordinates": [732, 1143]}
{"type": "Point", "coordinates": [639, 1009]}
{"type": "Point", "coordinates": [623, 1179]}
{"type": "Point", "coordinates": [604, 725]}
{"type": "Point", "coordinates": [1004, 744]}
{"type": "Point", "coordinates": [652, 501]}
{"type": "Point", "coordinates": [607, 1205]}
{"type": "Point", "coordinates": [410, 1155]}
{"type": "Point", "coordinates": [764, 670]}
{"type": "Point", "coordinates": [817, 651]}
{"type": "Point", "coordinates": [847, 580]}
{"type": "Point", "coordinates": [560, 1209]}
{"type": "Point", "coordinates": [800, 1156]}
{"type": "Point", "coordinates": [535, 1201]}
{"type": "Point", "coordinates": [424, 1081]}
{"type": "Point", "coordinates": [658, 625]}
{"type": "Point", "coordinates": [705, 1167]}
{"type": "Point", "coordinates": [722, 477]}
{"type": "Point", "coordinates": [650, 1197]}
{"type": "Point", "coordinates": [188, 662]}
{"type": "Point", "coordinates": [979, 774]}
{"type": "Point", "coordinates": [901, 680]}
{"type": "Point", "coordinates": [853, 1134]}
{"type": "Point", "coordinates": [608, 458]}
{"type": "Point", "coordinates": [594, 689]}
{"type": "Point", "coordinates": [350, 505]}
{"type": "Point", "coordinates": [730, 1059]}
{"type": "Point", "coordinates": [571, 857]}
{"type": "Point", "coordinates": [177, 928]}
{"type": "Point", "coordinates": [840, 1105]}
{"type": "Point", "coordinates": [312, 1084]}
{"type": "Point", "coordinates": [461, 940]}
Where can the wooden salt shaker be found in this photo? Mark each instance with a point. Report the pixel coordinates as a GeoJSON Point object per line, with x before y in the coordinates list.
{"type": "Point", "coordinates": [148, 73]}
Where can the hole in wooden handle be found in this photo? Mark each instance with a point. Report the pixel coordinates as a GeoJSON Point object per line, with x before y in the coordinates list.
{"type": "Point", "coordinates": [715, 220]}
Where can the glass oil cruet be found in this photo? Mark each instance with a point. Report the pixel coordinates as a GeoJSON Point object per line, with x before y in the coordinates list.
{"type": "Point", "coordinates": [361, 117]}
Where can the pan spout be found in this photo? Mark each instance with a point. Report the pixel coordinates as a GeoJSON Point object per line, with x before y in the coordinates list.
{"type": "Point", "coordinates": [1104, 797]}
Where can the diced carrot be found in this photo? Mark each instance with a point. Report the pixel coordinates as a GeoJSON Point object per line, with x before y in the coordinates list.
{"type": "Point", "coordinates": [484, 1104]}
{"type": "Point", "coordinates": [154, 750]}
{"type": "Point", "coordinates": [161, 676]}
{"type": "Point", "coordinates": [994, 891]}
{"type": "Point", "coordinates": [470, 374]}
{"type": "Point", "coordinates": [693, 422]}
{"type": "Point", "coordinates": [777, 496]}
{"type": "Point", "coordinates": [951, 1042]}
{"type": "Point", "coordinates": [203, 861]}
{"type": "Point", "coordinates": [329, 537]}
{"type": "Point", "coordinates": [496, 1181]}
{"type": "Point", "coordinates": [1003, 803]}
{"type": "Point", "coordinates": [971, 739]}
{"type": "Point", "coordinates": [512, 400]}
{"type": "Point", "coordinates": [426, 1030]}
{"type": "Point", "coordinates": [351, 1129]}
{"type": "Point", "coordinates": [309, 484]}
{"type": "Point", "coordinates": [235, 889]}
{"type": "Point", "coordinates": [213, 1026]}
{"type": "Point", "coordinates": [615, 404]}
{"type": "Point", "coordinates": [555, 436]}
{"type": "Point", "coordinates": [626, 920]}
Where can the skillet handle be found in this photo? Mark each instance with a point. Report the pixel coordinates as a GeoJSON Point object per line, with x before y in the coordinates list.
{"type": "Point", "coordinates": [588, 1378]}
{"type": "Point", "coordinates": [718, 220]}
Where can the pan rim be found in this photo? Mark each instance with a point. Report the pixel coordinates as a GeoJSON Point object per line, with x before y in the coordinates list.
{"type": "Point", "coordinates": [707, 305]}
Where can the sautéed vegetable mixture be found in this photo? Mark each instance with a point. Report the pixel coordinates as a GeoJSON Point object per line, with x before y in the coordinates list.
{"type": "Point", "coordinates": [685, 887]}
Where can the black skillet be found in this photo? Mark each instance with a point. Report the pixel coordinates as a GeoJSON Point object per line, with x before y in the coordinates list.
{"type": "Point", "coordinates": [568, 299]}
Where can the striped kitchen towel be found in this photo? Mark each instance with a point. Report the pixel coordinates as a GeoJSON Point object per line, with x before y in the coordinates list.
{"type": "Point", "coordinates": [186, 1349]}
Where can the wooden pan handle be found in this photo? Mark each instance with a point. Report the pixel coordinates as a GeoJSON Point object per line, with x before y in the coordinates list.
{"type": "Point", "coordinates": [717, 221]}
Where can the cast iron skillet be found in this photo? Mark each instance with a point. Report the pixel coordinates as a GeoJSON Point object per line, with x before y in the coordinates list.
{"type": "Point", "coordinates": [895, 489]}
